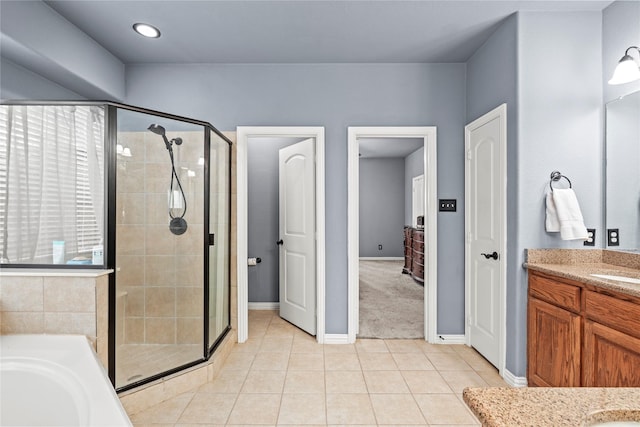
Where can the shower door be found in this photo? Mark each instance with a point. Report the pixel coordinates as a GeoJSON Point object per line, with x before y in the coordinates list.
{"type": "Point", "coordinates": [160, 246]}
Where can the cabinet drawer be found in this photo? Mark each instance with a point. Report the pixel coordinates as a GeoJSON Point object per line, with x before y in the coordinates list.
{"type": "Point", "coordinates": [558, 293]}
{"type": "Point", "coordinates": [418, 257]}
{"type": "Point", "coordinates": [615, 312]}
{"type": "Point", "coordinates": [418, 246]}
{"type": "Point", "coordinates": [417, 236]}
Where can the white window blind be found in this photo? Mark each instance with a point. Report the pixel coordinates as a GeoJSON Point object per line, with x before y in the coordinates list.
{"type": "Point", "coordinates": [51, 181]}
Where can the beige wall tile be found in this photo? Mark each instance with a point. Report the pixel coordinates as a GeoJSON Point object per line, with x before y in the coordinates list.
{"type": "Point", "coordinates": [160, 270]}
{"type": "Point", "coordinates": [133, 301]}
{"type": "Point", "coordinates": [159, 240]}
{"type": "Point", "coordinates": [157, 176]}
{"type": "Point", "coordinates": [22, 322]}
{"type": "Point", "coordinates": [70, 323]}
{"type": "Point", "coordinates": [187, 381]}
{"type": "Point", "coordinates": [130, 208]}
{"type": "Point", "coordinates": [134, 330]}
{"type": "Point", "coordinates": [69, 294]}
{"type": "Point", "coordinates": [157, 208]}
{"type": "Point", "coordinates": [189, 302]}
{"type": "Point", "coordinates": [189, 330]}
{"type": "Point", "coordinates": [160, 301]}
{"type": "Point", "coordinates": [131, 239]}
{"type": "Point", "coordinates": [102, 319]}
{"type": "Point", "coordinates": [189, 270]}
{"type": "Point", "coordinates": [130, 178]}
{"type": "Point", "coordinates": [130, 270]}
{"type": "Point", "coordinates": [21, 294]}
{"type": "Point", "coordinates": [160, 330]}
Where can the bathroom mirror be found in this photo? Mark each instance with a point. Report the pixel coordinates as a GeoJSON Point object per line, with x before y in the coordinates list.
{"type": "Point", "coordinates": [622, 172]}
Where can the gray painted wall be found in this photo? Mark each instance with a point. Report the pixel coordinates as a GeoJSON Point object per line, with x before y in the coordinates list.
{"type": "Point", "coordinates": [381, 207]}
{"type": "Point", "coordinates": [413, 166]}
{"type": "Point", "coordinates": [17, 82]}
{"type": "Point", "coordinates": [262, 181]}
{"type": "Point", "coordinates": [334, 96]}
{"type": "Point", "coordinates": [620, 29]}
{"type": "Point", "coordinates": [560, 128]}
{"type": "Point", "coordinates": [492, 79]}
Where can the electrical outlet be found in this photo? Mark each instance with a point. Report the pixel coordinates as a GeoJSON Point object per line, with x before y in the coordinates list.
{"type": "Point", "coordinates": [591, 237]}
{"type": "Point", "coordinates": [379, 247]}
{"type": "Point", "coordinates": [613, 237]}
{"type": "Point", "coordinates": [447, 205]}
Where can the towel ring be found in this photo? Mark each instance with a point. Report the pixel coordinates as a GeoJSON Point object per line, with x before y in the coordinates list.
{"type": "Point", "coordinates": [556, 176]}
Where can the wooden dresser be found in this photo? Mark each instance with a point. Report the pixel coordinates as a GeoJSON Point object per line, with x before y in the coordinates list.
{"type": "Point", "coordinates": [414, 253]}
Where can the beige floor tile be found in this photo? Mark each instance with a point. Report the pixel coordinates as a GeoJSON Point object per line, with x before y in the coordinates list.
{"type": "Point", "coordinates": [168, 411]}
{"type": "Point", "coordinates": [276, 344]}
{"type": "Point", "coordinates": [227, 381]}
{"type": "Point", "coordinates": [458, 380]}
{"type": "Point", "coordinates": [426, 382]}
{"type": "Point", "coordinates": [443, 409]}
{"type": "Point", "coordinates": [255, 409]}
{"type": "Point", "coordinates": [412, 362]}
{"type": "Point", "coordinates": [208, 408]}
{"type": "Point", "coordinates": [492, 378]}
{"type": "Point", "coordinates": [396, 409]}
{"type": "Point", "coordinates": [303, 343]}
{"type": "Point", "coordinates": [435, 348]}
{"type": "Point", "coordinates": [448, 362]}
{"type": "Point", "coordinates": [299, 409]}
{"type": "Point", "coordinates": [377, 362]}
{"type": "Point", "coordinates": [239, 361]}
{"type": "Point", "coordinates": [339, 348]}
{"type": "Point", "coordinates": [385, 382]}
{"type": "Point", "coordinates": [348, 409]}
{"type": "Point", "coordinates": [403, 346]}
{"type": "Point", "coordinates": [192, 425]}
{"type": "Point", "coordinates": [270, 362]}
{"type": "Point", "coordinates": [341, 362]}
{"type": "Point", "coordinates": [306, 362]}
{"type": "Point", "coordinates": [251, 345]}
{"type": "Point", "coordinates": [304, 382]}
{"type": "Point", "coordinates": [345, 382]}
{"type": "Point", "coordinates": [371, 346]}
{"type": "Point", "coordinates": [264, 382]}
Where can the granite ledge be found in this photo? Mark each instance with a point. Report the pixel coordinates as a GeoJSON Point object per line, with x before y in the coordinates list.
{"type": "Point", "coordinates": [553, 407]}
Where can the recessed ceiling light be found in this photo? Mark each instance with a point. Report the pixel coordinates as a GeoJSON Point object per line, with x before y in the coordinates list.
{"type": "Point", "coordinates": [146, 30]}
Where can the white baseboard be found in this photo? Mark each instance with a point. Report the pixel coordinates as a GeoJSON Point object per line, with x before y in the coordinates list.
{"type": "Point", "coordinates": [336, 338]}
{"type": "Point", "coordinates": [451, 339]}
{"type": "Point", "coordinates": [381, 258]}
{"type": "Point", "coordinates": [514, 381]}
{"type": "Point", "coordinates": [264, 306]}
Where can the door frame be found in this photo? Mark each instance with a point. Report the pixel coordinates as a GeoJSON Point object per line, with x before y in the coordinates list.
{"type": "Point", "coordinates": [499, 112]}
{"type": "Point", "coordinates": [429, 136]}
{"type": "Point", "coordinates": [243, 135]}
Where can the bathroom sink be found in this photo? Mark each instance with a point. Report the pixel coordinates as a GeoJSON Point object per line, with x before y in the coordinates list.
{"type": "Point", "coordinates": [618, 278]}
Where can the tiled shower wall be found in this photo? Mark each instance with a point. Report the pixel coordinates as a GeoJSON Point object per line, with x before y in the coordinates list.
{"type": "Point", "coordinates": [159, 275]}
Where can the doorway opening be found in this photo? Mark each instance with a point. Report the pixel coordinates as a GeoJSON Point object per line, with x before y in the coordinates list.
{"type": "Point", "coordinates": [268, 243]}
{"type": "Point", "coordinates": [384, 138]}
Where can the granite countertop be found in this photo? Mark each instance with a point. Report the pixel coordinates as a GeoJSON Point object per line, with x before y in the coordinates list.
{"type": "Point", "coordinates": [579, 264]}
{"type": "Point", "coordinates": [553, 407]}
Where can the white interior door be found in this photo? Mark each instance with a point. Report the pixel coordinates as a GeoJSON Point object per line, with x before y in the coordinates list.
{"type": "Point", "coordinates": [297, 235]}
{"type": "Point", "coordinates": [417, 204]}
{"type": "Point", "coordinates": [485, 176]}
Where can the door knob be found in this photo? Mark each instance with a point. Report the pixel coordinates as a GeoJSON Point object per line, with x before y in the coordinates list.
{"type": "Point", "coordinates": [279, 242]}
{"type": "Point", "coordinates": [494, 255]}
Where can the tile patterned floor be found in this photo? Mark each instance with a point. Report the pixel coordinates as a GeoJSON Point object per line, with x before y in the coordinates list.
{"type": "Point", "coordinates": [281, 376]}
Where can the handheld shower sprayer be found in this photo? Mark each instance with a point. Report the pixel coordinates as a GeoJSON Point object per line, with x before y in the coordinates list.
{"type": "Point", "coordinates": [177, 225]}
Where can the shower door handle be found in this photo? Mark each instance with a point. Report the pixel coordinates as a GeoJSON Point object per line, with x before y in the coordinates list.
{"type": "Point", "coordinates": [279, 242]}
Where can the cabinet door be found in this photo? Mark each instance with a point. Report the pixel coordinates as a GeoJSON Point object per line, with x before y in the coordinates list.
{"type": "Point", "coordinates": [553, 346]}
{"type": "Point", "coordinates": [611, 358]}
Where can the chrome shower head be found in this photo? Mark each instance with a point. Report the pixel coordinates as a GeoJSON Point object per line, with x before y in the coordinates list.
{"type": "Point", "coordinates": [157, 129]}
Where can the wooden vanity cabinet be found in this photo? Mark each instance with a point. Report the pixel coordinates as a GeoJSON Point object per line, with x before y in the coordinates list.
{"type": "Point", "coordinates": [581, 336]}
{"type": "Point", "coordinates": [553, 333]}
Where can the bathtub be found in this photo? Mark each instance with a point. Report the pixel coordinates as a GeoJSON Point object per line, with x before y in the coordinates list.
{"type": "Point", "coordinates": [55, 380]}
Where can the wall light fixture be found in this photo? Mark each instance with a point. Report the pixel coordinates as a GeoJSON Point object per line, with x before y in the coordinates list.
{"type": "Point", "coordinates": [627, 70]}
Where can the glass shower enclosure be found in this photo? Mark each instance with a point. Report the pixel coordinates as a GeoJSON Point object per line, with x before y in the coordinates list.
{"type": "Point", "coordinates": [158, 191]}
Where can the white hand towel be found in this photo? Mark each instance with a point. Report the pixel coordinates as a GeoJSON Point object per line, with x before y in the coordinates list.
{"type": "Point", "coordinates": [571, 222]}
{"type": "Point", "coordinates": [551, 223]}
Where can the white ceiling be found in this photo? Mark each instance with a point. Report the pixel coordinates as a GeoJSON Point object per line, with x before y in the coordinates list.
{"type": "Point", "coordinates": [299, 31]}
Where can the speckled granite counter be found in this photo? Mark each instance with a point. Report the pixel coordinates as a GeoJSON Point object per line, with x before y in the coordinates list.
{"type": "Point", "coordinates": [553, 407]}
{"type": "Point", "coordinates": [579, 264]}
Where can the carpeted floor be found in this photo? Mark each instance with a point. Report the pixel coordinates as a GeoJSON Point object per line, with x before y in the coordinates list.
{"type": "Point", "coordinates": [391, 303]}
